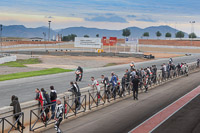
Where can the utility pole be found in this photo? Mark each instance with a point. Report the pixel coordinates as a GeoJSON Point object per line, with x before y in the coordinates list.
{"type": "Point", "coordinates": [44, 36]}
{"type": "Point", "coordinates": [45, 40]}
{"type": "Point", "coordinates": [1, 29]}
{"type": "Point", "coordinates": [49, 30]}
{"type": "Point", "coordinates": [192, 30]}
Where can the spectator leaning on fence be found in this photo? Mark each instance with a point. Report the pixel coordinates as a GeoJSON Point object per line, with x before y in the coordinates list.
{"type": "Point", "coordinates": [76, 91]}
{"type": "Point", "coordinates": [106, 83]}
{"type": "Point", "coordinates": [39, 97]}
{"type": "Point", "coordinates": [95, 84]}
{"type": "Point", "coordinates": [53, 96]}
{"type": "Point", "coordinates": [16, 111]}
{"type": "Point", "coordinates": [113, 82]}
{"type": "Point", "coordinates": [46, 101]}
{"type": "Point", "coordinates": [198, 62]}
{"type": "Point", "coordinates": [123, 84]}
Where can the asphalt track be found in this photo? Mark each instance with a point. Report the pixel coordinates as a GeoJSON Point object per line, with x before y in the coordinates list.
{"type": "Point", "coordinates": [125, 115]}
{"type": "Point", "coordinates": [24, 88]}
{"type": "Point", "coordinates": [187, 120]}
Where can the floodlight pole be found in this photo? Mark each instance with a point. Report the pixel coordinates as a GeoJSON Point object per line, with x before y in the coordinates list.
{"type": "Point", "coordinates": [49, 30]}
{"type": "Point", "coordinates": [1, 29]}
{"type": "Point", "coordinates": [44, 40]}
{"type": "Point", "coordinates": [192, 30]}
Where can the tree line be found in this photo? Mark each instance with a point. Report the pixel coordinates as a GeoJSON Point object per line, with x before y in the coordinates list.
{"type": "Point", "coordinates": [126, 33]}
{"type": "Point", "coordinates": [71, 37]}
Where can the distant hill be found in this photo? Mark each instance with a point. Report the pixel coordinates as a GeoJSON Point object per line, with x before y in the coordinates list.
{"type": "Point", "coordinates": [22, 31]}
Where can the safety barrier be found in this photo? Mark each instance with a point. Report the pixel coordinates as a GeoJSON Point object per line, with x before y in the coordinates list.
{"type": "Point", "coordinates": [96, 99]}
{"type": "Point", "coordinates": [43, 117]}
{"type": "Point", "coordinates": [15, 124]}
{"type": "Point", "coordinates": [74, 106]}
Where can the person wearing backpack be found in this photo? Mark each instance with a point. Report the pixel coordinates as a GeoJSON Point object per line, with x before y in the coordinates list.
{"type": "Point", "coordinates": [53, 96]}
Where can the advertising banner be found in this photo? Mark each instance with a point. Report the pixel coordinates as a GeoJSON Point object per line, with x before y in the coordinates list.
{"type": "Point", "coordinates": [84, 42]}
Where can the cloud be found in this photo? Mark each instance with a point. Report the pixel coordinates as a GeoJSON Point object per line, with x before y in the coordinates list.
{"type": "Point", "coordinates": [48, 17]}
{"type": "Point", "coordinates": [115, 18]}
{"type": "Point", "coordinates": [131, 16]}
{"type": "Point", "coordinates": [109, 14]}
{"type": "Point", "coordinates": [146, 20]}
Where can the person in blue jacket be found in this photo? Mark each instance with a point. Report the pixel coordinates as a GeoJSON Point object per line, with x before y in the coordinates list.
{"type": "Point", "coordinates": [113, 81]}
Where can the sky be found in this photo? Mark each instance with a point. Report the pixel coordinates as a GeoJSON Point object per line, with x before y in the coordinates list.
{"type": "Point", "coordinates": [104, 14]}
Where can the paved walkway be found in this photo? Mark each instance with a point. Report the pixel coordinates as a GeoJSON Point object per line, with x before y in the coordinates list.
{"type": "Point", "coordinates": [125, 115]}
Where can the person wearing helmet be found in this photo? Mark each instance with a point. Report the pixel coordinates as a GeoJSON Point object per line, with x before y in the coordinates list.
{"type": "Point", "coordinates": [79, 73]}
{"type": "Point", "coordinates": [132, 65]}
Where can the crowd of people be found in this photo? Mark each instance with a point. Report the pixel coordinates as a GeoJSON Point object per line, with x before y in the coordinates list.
{"type": "Point", "coordinates": [132, 80]}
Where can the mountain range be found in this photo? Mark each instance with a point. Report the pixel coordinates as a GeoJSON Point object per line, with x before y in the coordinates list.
{"type": "Point", "coordinates": [24, 32]}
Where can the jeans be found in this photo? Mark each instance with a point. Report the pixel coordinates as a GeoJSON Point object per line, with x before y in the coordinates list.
{"type": "Point", "coordinates": [53, 109]}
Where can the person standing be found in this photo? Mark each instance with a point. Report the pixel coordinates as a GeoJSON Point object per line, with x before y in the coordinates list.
{"type": "Point", "coordinates": [154, 73]}
{"type": "Point", "coordinates": [16, 111]}
{"type": "Point", "coordinates": [198, 63]}
{"type": "Point", "coordinates": [46, 102]}
{"type": "Point", "coordinates": [59, 115]}
{"type": "Point", "coordinates": [95, 84]}
{"type": "Point", "coordinates": [113, 81]}
{"type": "Point", "coordinates": [106, 83]}
{"type": "Point", "coordinates": [135, 82]}
{"type": "Point", "coordinates": [39, 97]}
{"type": "Point", "coordinates": [53, 96]}
{"type": "Point", "coordinates": [123, 83]}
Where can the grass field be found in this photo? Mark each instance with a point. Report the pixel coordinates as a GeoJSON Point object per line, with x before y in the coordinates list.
{"type": "Point", "coordinates": [21, 63]}
{"type": "Point", "coordinates": [110, 64]}
{"type": "Point", "coordinates": [33, 73]}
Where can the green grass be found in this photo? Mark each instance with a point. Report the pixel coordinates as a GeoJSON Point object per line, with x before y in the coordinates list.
{"type": "Point", "coordinates": [110, 64]}
{"type": "Point", "coordinates": [21, 63]}
{"type": "Point", "coordinates": [33, 73]}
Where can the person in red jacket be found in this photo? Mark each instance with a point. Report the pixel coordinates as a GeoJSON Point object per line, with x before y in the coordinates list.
{"type": "Point", "coordinates": [39, 97]}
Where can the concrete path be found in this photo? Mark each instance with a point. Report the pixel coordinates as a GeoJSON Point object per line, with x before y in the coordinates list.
{"type": "Point", "coordinates": [24, 88]}
{"type": "Point", "coordinates": [125, 115]}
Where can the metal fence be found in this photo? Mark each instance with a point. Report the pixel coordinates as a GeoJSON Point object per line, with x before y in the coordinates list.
{"type": "Point", "coordinates": [74, 106]}
{"type": "Point", "coordinates": [42, 115]}
{"type": "Point", "coordinates": [19, 120]}
{"type": "Point", "coordinates": [96, 99]}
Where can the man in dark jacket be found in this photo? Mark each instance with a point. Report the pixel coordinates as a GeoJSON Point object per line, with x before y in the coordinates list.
{"type": "Point", "coordinates": [123, 83]}
{"type": "Point", "coordinates": [76, 91]}
{"type": "Point", "coordinates": [106, 83]}
{"type": "Point", "coordinates": [16, 110]}
{"type": "Point", "coordinates": [47, 101]}
{"type": "Point", "coordinates": [53, 96]}
{"type": "Point", "coordinates": [154, 73]}
{"type": "Point", "coordinates": [135, 82]}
